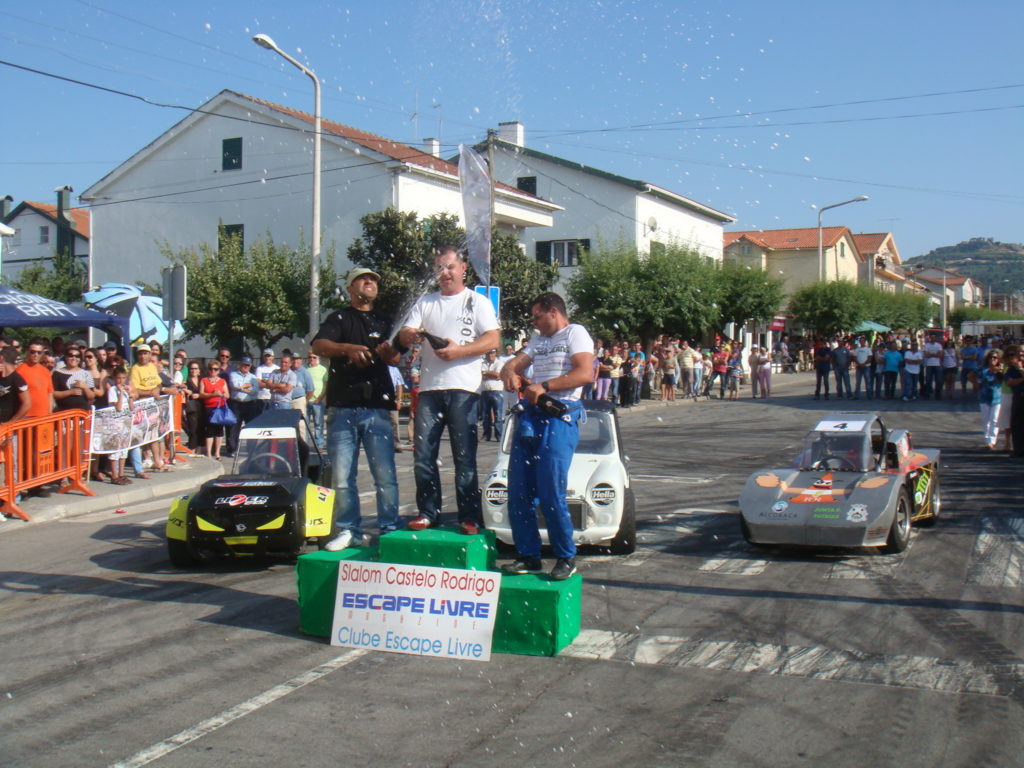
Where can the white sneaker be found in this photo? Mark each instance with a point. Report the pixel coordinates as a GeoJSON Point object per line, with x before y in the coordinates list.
{"type": "Point", "coordinates": [339, 542]}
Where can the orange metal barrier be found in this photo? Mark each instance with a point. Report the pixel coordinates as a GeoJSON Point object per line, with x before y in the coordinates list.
{"type": "Point", "coordinates": [176, 415]}
{"type": "Point", "coordinates": [42, 450]}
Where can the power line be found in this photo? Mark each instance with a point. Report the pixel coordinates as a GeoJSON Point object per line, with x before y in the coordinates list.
{"type": "Point", "coordinates": [781, 110]}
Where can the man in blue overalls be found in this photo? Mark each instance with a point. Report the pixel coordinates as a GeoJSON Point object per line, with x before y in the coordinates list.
{"type": "Point", "coordinates": [547, 431]}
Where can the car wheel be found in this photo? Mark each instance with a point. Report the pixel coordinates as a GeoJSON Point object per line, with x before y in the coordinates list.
{"type": "Point", "coordinates": [181, 554]}
{"type": "Point", "coordinates": [624, 542]}
{"type": "Point", "coordinates": [936, 492]}
{"type": "Point", "coordinates": [899, 531]}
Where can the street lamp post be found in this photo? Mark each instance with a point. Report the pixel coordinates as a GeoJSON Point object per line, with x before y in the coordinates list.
{"type": "Point", "coordinates": [821, 259]}
{"type": "Point", "coordinates": [264, 41]}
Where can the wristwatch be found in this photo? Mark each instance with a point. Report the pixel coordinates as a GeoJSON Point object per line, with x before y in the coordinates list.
{"type": "Point", "coordinates": [546, 386]}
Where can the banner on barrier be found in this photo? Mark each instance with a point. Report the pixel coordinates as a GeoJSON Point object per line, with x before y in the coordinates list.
{"type": "Point", "coordinates": [147, 421]}
{"type": "Point", "coordinates": [416, 609]}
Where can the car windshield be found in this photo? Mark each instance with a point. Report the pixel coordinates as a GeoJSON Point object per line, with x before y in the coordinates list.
{"type": "Point", "coordinates": [829, 450]}
{"type": "Point", "coordinates": [262, 454]}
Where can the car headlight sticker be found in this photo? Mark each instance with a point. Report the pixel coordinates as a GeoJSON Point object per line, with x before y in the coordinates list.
{"type": "Point", "coordinates": [496, 495]}
{"type": "Point", "coordinates": [603, 495]}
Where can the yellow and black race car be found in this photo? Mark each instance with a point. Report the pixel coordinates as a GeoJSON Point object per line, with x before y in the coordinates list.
{"type": "Point", "coordinates": [275, 501]}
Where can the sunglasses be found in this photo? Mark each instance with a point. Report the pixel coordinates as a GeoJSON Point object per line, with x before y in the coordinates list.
{"type": "Point", "coordinates": [72, 355]}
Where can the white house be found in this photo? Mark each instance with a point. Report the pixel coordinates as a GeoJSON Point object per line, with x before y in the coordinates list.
{"type": "Point", "coordinates": [600, 206]}
{"type": "Point", "coordinates": [243, 165]}
{"type": "Point", "coordinates": [40, 230]}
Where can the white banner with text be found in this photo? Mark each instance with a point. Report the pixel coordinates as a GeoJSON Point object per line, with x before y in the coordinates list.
{"type": "Point", "coordinates": [416, 609]}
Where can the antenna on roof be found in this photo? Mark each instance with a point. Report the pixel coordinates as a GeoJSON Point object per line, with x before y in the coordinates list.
{"type": "Point", "coordinates": [415, 116]}
{"type": "Point", "coordinates": [439, 119]}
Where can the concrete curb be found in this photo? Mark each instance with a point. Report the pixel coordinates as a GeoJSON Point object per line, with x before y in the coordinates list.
{"type": "Point", "coordinates": [109, 497]}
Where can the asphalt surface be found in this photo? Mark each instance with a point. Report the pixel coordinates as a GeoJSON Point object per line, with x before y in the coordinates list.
{"type": "Point", "coordinates": [695, 650]}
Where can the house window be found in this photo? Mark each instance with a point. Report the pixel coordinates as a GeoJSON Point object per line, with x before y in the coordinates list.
{"type": "Point", "coordinates": [232, 155]}
{"type": "Point", "coordinates": [527, 184]}
{"type": "Point", "coordinates": [44, 235]}
{"type": "Point", "coordinates": [563, 253]}
{"type": "Point", "coordinates": [226, 232]}
{"type": "Point", "coordinates": [744, 250]}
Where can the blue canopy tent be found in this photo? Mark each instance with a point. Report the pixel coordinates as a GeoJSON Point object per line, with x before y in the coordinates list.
{"type": "Point", "coordinates": [19, 309]}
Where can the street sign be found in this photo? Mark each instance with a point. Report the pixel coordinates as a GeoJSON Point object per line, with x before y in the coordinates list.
{"type": "Point", "coordinates": [175, 292]}
{"type": "Point", "coordinates": [495, 296]}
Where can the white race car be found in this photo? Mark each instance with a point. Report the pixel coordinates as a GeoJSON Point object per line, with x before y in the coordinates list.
{"type": "Point", "coordinates": [601, 502]}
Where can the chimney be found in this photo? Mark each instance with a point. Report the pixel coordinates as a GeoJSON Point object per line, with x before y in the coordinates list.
{"type": "Point", "coordinates": [512, 132]}
{"type": "Point", "coordinates": [64, 205]}
{"type": "Point", "coordinates": [5, 210]}
{"type": "Point", "coordinates": [432, 147]}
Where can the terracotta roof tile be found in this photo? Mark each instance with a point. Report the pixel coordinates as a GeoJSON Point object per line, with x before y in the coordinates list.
{"type": "Point", "coordinates": [393, 149]}
{"type": "Point", "coordinates": [870, 242]}
{"type": "Point", "coordinates": [80, 216]}
{"type": "Point", "coordinates": [787, 239]}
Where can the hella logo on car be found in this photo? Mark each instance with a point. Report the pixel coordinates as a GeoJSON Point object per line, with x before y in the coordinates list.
{"type": "Point", "coordinates": [240, 499]}
{"type": "Point", "coordinates": [496, 495]}
{"type": "Point", "coordinates": [603, 495]}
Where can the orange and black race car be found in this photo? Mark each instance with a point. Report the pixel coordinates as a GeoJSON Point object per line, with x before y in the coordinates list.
{"type": "Point", "coordinates": [855, 484]}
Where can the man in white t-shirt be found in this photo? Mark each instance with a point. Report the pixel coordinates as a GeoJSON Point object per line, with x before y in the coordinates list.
{"type": "Point", "coordinates": [449, 388]}
{"type": "Point", "coordinates": [492, 401]}
{"type": "Point", "coordinates": [562, 356]}
{"type": "Point", "coordinates": [510, 397]}
{"type": "Point", "coordinates": [931, 385]}
{"type": "Point", "coordinates": [263, 371]}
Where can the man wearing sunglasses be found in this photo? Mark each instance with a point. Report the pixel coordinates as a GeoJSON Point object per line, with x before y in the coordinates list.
{"type": "Point", "coordinates": [40, 389]}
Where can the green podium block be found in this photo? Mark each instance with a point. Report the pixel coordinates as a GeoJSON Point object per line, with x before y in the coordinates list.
{"type": "Point", "coordinates": [440, 548]}
{"type": "Point", "coordinates": [537, 616]}
{"type": "Point", "coordinates": [317, 576]}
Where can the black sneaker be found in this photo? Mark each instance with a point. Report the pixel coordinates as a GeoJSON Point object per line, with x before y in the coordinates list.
{"type": "Point", "coordinates": [564, 568]}
{"type": "Point", "coordinates": [522, 565]}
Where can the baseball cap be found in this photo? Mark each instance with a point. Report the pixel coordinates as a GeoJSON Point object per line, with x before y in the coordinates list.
{"type": "Point", "coordinates": [268, 351]}
{"type": "Point", "coordinates": [245, 360]}
{"type": "Point", "coordinates": [142, 346]}
{"type": "Point", "coordinates": [357, 272]}
{"type": "Point", "coordinates": [109, 345]}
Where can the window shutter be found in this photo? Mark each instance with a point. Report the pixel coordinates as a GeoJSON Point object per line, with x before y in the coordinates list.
{"type": "Point", "coordinates": [544, 251]}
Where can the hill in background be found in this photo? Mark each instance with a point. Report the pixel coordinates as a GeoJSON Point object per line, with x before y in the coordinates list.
{"type": "Point", "coordinates": [987, 261]}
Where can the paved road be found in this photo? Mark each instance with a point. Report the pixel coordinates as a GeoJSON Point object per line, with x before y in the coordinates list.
{"type": "Point", "coordinates": [696, 650]}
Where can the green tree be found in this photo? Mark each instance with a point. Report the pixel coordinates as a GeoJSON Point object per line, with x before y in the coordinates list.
{"type": "Point", "coordinates": [830, 308]}
{"type": "Point", "coordinates": [400, 248]}
{"type": "Point", "coordinates": [900, 310]}
{"type": "Point", "coordinates": [258, 294]}
{"type": "Point", "coordinates": [64, 279]}
{"type": "Point", "coordinates": [621, 293]}
{"type": "Point", "coordinates": [747, 294]}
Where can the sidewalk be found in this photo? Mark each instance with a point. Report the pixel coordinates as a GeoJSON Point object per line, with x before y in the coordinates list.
{"type": "Point", "coordinates": [185, 477]}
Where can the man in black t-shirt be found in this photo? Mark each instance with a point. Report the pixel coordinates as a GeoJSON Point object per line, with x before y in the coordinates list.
{"type": "Point", "coordinates": [360, 396]}
{"type": "Point", "coordinates": [14, 396]}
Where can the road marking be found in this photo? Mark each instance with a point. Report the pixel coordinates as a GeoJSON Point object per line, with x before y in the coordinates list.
{"type": "Point", "coordinates": [998, 556]}
{"type": "Point", "coordinates": [735, 559]}
{"type": "Point", "coordinates": [920, 672]}
{"type": "Point", "coordinates": [870, 566]}
{"type": "Point", "coordinates": [228, 716]}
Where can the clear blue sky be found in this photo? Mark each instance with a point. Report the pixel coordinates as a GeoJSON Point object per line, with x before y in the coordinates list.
{"type": "Point", "coordinates": [719, 105]}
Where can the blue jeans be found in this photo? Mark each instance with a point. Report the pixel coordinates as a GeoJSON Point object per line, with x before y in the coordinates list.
{"type": "Point", "coordinates": [933, 381]}
{"type": "Point", "coordinates": [315, 415]}
{"type": "Point", "coordinates": [698, 379]}
{"type": "Point", "coordinates": [456, 409]}
{"type": "Point", "coordinates": [842, 381]}
{"type": "Point", "coordinates": [538, 473]}
{"type": "Point", "coordinates": [493, 403]}
{"type": "Point", "coordinates": [865, 374]}
{"type": "Point", "coordinates": [613, 389]}
{"type": "Point", "coordinates": [910, 385]}
{"type": "Point", "coordinates": [346, 429]}
{"type": "Point", "coordinates": [821, 377]}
